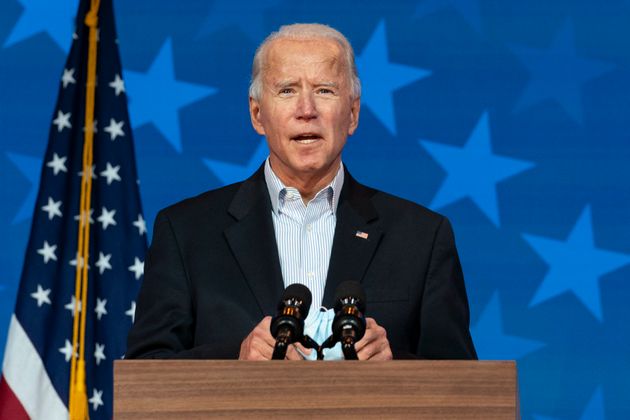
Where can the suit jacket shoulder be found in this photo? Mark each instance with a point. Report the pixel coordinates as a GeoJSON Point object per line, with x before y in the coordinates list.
{"type": "Point", "coordinates": [405, 256]}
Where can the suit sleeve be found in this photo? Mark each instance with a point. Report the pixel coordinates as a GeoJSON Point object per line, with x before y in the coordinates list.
{"type": "Point", "coordinates": [445, 318]}
{"type": "Point", "coordinates": [164, 322]}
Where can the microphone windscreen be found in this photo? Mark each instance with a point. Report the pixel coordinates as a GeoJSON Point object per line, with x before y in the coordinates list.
{"type": "Point", "coordinates": [351, 289]}
{"type": "Point", "coordinates": [299, 292]}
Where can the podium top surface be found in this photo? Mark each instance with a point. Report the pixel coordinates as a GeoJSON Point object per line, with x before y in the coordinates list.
{"type": "Point", "coordinates": [411, 389]}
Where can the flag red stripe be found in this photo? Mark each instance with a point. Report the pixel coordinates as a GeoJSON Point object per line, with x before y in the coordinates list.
{"type": "Point", "coordinates": [10, 407]}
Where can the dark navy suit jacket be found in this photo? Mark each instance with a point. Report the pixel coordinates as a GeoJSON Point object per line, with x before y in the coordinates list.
{"type": "Point", "coordinates": [212, 273]}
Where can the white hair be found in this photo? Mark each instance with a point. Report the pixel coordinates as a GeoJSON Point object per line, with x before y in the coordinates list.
{"type": "Point", "coordinates": [304, 31]}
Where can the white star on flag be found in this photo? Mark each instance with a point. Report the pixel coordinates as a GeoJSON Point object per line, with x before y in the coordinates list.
{"type": "Point", "coordinates": [107, 218]}
{"type": "Point", "coordinates": [80, 259]}
{"type": "Point", "coordinates": [115, 129]}
{"type": "Point", "coordinates": [118, 85]}
{"type": "Point", "coordinates": [48, 252]}
{"type": "Point", "coordinates": [52, 208]}
{"type": "Point", "coordinates": [94, 127]}
{"type": "Point", "coordinates": [71, 306]}
{"type": "Point", "coordinates": [41, 296]}
{"type": "Point", "coordinates": [137, 267]}
{"type": "Point", "coordinates": [132, 311]}
{"type": "Point", "coordinates": [99, 353]}
{"type": "Point", "coordinates": [92, 172]}
{"type": "Point", "coordinates": [111, 173]}
{"type": "Point", "coordinates": [58, 164]}
{"type": "Point", "coordinates": [91, 219]}
{"type": "Point", "coordinates": [103, 262]}
{"type": "Point", "coordinates": [97, 399]}
{"type": "Point", "coordinates": [141, 225]}
{"type": "Point", "coordinates": [62, 120]}
{"type": "Point", "coordinates": [100, 308]}
{"type": "Point", "coordinates": [68, 77]}
{"type": "Point", "coordinates": [66, 350]}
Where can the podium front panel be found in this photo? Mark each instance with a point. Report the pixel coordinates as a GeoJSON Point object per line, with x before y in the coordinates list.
{"type": "Point", "coordinates": [394, 389]}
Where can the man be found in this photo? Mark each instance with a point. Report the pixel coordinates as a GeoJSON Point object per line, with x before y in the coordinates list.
{"type": "Point", "coordinates": [219, 262]}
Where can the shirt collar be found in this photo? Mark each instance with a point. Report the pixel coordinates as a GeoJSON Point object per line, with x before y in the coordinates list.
{"type": "Point", "coordinates": [277, 190]}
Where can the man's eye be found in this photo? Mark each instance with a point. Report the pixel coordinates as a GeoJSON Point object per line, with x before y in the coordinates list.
{"type": "Point", "coordinates": [285, 91]}
{"type": "Point", "coordinates": [325, 91]}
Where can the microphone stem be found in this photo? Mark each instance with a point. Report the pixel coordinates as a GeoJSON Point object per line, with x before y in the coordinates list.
{"type": "Point", "coordinates": [347, 346]}
{"type": "Point", "coordinates": [280, 349]}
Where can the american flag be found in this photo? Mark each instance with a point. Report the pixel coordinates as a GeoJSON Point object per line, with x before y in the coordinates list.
{"type": "Point", "coordinates": [36, 368]}
{"type": "Point", "coordinates": [361, 234]}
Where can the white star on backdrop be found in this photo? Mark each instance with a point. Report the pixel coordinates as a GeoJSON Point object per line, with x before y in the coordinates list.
{"type": "Point", "coordinates": [132, 311]}
{"type": "Point", "coordinates": [41, 296]}
{"type": "Point", "coordinates": [47, 251]}
{"type": "Point", "coordinates": [103, 262]}
{"type": "Point", "coordinates": [100, 308]}
{"type": "Point", "coordinates": [99, 353]}
{"type": "Point", "coordinates": [58, 164]}
{"type": "Point", "coordinates": [137, 268]}
{"type": "Point", "coordinates": [53, 208]}
{"type": "Point", "coordinates": [68, 77]}
{"type": "Point", "coordinates": [118, 85]}
{"type": "Point", "coordinates": [141, 225]}
{"type": "Point", "coordinates": [115, 129]}
{"type": "Point", "coordinates": [62, 121]}
{"type": "Point", "coordinates": [111, 173]}
{"type": "Point", "coordinates": [107, 218]}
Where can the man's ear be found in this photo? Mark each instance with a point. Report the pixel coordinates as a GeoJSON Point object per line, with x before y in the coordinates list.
{"type": "Point", "coordinates": [254, 114]}
{"type": "Point", "coordinates": [355, 108]}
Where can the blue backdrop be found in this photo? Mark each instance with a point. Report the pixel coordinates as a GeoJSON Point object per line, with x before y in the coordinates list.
{"type": "Point", "coordinates": [510, 117]}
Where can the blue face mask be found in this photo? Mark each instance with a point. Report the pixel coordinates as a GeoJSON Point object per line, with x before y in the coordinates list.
{"type": "Point", "coordinates": [319, 328]}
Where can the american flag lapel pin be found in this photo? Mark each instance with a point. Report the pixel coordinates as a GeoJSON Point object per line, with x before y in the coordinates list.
{"type": "Point", "coordinates": [361, 234]}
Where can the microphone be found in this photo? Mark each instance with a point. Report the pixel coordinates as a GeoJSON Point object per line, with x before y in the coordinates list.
{"type": "Point", "coordinates": [348, 326]}
{"type": "Point", "coordinates": [287, 326]}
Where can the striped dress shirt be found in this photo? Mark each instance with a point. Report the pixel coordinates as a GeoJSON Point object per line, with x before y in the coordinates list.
{"type": "Point", "coordinates": [304, 233]}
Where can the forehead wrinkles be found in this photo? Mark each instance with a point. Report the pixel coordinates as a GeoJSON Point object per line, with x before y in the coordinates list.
{"type": "Point", "coordinates": [288, 59]}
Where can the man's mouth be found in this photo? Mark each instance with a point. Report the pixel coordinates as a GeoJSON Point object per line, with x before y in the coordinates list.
{"type": "Point", "coordinates": [306, 138]}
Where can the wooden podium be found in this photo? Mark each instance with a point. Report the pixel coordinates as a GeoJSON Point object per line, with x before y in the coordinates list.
{"type": "Point", "coordinates": [183, 389]}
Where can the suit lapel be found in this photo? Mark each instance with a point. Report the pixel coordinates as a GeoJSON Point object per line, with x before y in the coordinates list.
{"type": "Point", "coordinates": [253, 242]}
{"type": "Point", "coordinates": [357, 237]}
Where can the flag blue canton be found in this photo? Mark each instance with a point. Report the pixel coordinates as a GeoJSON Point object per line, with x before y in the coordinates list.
{"type": "Point", "coordinates": [117, 246]}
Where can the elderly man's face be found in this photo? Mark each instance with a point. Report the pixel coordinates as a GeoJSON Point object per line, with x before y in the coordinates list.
{"type": "Point", "coordinates": [306, 110]}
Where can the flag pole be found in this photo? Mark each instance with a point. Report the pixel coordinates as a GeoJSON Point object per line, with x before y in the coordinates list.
{"type": "Point", "coordinates": [78, 409]}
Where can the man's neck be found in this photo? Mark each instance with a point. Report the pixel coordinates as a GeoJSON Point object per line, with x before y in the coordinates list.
{"type": "Point", "coordinates": [308, 184]}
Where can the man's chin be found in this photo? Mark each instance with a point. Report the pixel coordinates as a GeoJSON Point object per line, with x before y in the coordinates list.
{"type": "Point", "coordinates": [315, 169]}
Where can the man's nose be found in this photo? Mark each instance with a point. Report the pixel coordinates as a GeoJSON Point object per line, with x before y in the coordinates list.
{"type": "Point", "coordinates": [306, 107]}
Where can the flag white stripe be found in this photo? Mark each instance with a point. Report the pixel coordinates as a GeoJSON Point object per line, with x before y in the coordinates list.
{"type": "Point", "coordinates": [24, 372]}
